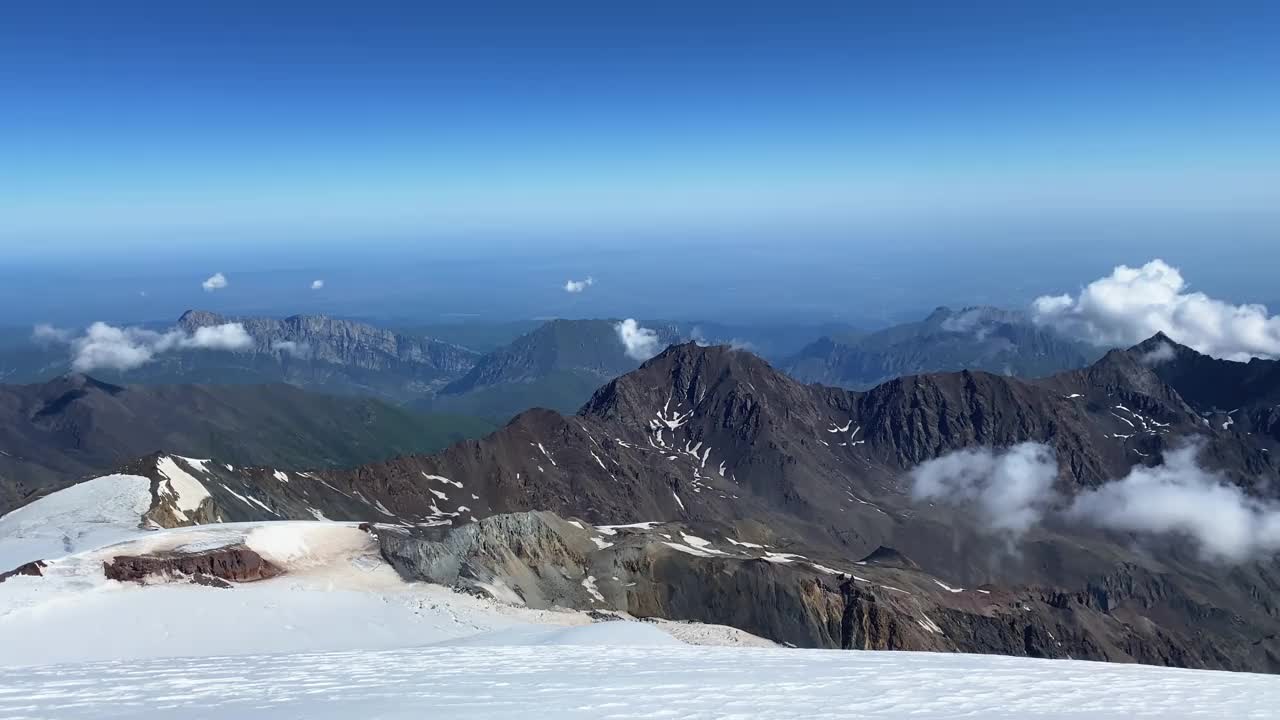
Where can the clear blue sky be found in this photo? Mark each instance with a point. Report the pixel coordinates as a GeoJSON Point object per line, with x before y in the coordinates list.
{"type": "Point", "coordinates": [211, 130]}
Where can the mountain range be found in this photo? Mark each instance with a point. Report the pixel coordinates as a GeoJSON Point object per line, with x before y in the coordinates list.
{"type": "Point", "coordinates": [976, 338]}
{"type": "Point", "coordinates": [708, 486]}
{"type": "Point", "coordinates": [559, 363]}
{"type": "Point", "coordinates": [326, 353]}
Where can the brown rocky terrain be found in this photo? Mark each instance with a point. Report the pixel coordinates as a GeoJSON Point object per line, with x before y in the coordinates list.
{"type": "Point", "coordinates": [804, 530]}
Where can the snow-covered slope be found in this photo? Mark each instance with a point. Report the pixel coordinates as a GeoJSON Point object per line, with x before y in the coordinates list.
{"type": "Point", "coordinates": [340, 634]}
{"type": "Point", "coordinates": [626, 679]}
{"type": "Point", "coordinates": [89, 515]}
{"type": "Point", "coordinates": [336, 594]}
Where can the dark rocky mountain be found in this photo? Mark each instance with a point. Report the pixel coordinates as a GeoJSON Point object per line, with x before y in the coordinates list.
{"type": "Point", "coordinates": [977, 338]}
{"type": "Point", "coordinates": [1211, 386]}
{"type": "Point", "coordinates": [557, 365]}
{"type": "Point", "coordinates": [56, 433]}
{"type": "Point", "coordinates": [1243, 397]}
{"type": "Point", "coordinates": [753, 500]}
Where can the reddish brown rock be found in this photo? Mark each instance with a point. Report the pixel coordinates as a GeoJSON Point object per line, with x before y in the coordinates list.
{"type": "Point", "coordinates": [234, 563]}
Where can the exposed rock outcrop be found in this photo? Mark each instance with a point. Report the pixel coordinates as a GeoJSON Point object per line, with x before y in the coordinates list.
{"type": "Point", "coordinates": [233, 563]}
{"type": "Point", "coordinates": [317, 350]}
{"type": "Point", "coordinates": [541, 560]}
{"type": "Point", "coordinates": [34, 569]}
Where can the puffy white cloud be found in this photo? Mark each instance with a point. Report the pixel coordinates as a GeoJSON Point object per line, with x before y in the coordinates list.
{"type": "Point", "coordinates": [1180, 497]}
{"type": "Point", "coordinates": [231, 336]}
{"type": "Point", "coordinates": [107, 347]}
{"type": "Point", "coordinates": [1010, 489]}
{"type": "Point", "coordinates": [577, 286]}
{"type": "Point", "coordinates": [641, 343]}
{"type": "Point", "coordinates": [217, 281]}
{"type": "Point", "coordinates": [1132, 304]}
{"type": "Point", "coordinates": [317, 284]}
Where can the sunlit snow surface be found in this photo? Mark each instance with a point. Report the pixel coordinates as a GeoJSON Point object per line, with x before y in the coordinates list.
{"type": "Point", "coordinates": [600, 681]}
{"type": "Point", "coordinates": [341, 635]}
{"type": "Point", "coordinates": [89, 515]}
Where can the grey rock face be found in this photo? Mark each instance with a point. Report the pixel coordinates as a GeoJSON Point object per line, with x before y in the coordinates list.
{"type": "Point", "coordinates": [342, 342]}
{"type": "Point", "coordinates": [534, 559]}
{"type": "Point", "coordinates": [540, 560]}
{"type": "Point", "coordinates": [342, 355]}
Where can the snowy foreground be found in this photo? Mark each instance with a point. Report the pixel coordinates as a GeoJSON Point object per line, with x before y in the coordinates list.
{"type": "Point", "coordinates": [619, 681]}
{"type": "Point", "coordinates": [341, 635]}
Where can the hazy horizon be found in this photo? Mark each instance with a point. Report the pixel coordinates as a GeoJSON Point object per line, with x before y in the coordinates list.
{"type": "Point", "coordinates": [729, 162]}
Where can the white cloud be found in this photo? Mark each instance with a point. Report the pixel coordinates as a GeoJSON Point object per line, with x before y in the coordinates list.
{"type": "Point", "coordinates": [1011, 489]}
{"type": "Point", "coordinates": [291, 348]}
{"type": "Point", "coordinates": [46, 334]}
{"type": "Point", "coordinates": [1180, 497]}
{"type": "Point", "coordinates": [577, 286]}
{"type": "Point", "coordinates": [107, 347]}
{"type": "Point", "coordinates": [1158, 355]}
{"type": "Point", "coordinates": [640, 343]}
{"type": "Point", "coordinates": [231, 336]}
{"type": "Point", "coordinates": [699, 338]}
{"type": "Point", "coordinates": [317, 284]}
{"type": "Point", "coordinates": [976, 321]}
{"type": "Point", "coordinates": [1132, 304]}
{"type": "Point", "coordinates": [215, 282]}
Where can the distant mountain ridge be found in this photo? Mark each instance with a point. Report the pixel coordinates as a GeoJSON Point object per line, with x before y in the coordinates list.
{"type": "Point", "coordinates": [317, 350]}
{"type": "Point", "coordinates": [975, 338]}
{"type": "Point", "coordinates": [56, 433]}
{"type": "Point", "coordinates": [557, 365]}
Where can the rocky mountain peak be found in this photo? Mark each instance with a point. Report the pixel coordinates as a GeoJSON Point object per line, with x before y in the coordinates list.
{"type": "Point", "coordinates": [193, 319]}
{"type": "Point", "coordinates": [1210, 383]}
{"type": "Point", "coordinates": [692, 375]}
{"type": "Point", "coordinates": [79, 381]}
{"type": "Point", "coordinates": [940, 313]}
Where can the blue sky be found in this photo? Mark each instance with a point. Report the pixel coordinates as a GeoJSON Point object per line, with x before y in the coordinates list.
{"type": "Point", "coordinates": [214, 132]}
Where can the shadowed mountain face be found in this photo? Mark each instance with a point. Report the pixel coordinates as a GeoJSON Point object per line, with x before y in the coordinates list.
{"type": "Point", "coordinates": [797, 496]}
{"type": "Point", "coordinates": [979, 338]}
{"type": "Point", "coordinates": [1234, 396]}
{"type": "Point", "coordinates": [56, 433]}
